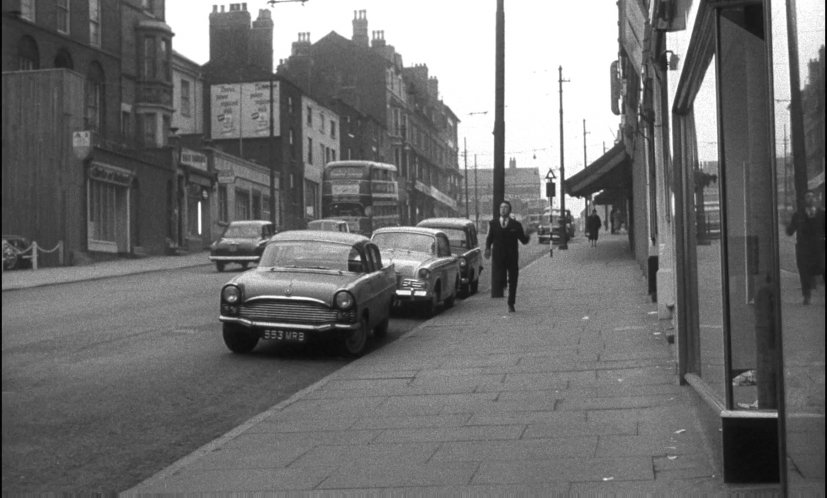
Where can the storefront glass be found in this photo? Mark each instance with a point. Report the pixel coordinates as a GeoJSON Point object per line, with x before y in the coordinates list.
{"type": "Point", "coordinates": [798, 87]}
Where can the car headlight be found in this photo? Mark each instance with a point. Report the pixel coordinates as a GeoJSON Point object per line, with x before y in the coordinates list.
{"type": "Point", "coordinates": [462, 263]}
{"type": "Point", "coordinates": [231, 294]}
{"type": "Point", "coordinates": [424, 274]}
{"type": "Point", "coordinates": [344, 300]}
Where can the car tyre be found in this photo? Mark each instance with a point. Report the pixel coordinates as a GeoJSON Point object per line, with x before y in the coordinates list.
{"type": "Point", "coordinates": [381, 330]}
{"type": "Point", "coordinates": [219, 267]}
{"type": "Point", "coordinates": [475, 285]}
{"type": "Point", "coordinates": [432, 305]}
{"type": "Point", "coordinates": [238, 339]}
{"type": "Point", "coordinates": [244, 266]}
{"type": "Point", "coordinates": [449, 302]}
{"type": "Point", "coordinates": [354, 342]}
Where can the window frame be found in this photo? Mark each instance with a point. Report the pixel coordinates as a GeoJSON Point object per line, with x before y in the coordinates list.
{"type": "Point", "coordinates": [62, 12]}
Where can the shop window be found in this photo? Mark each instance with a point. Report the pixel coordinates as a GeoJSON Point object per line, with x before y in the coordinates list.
{"type": "Point", "coordinates": [257, 205]}
{"type": "Point", "coordinates": [242, 204]}
{"type": "Point", "coordinates": [223, 206]}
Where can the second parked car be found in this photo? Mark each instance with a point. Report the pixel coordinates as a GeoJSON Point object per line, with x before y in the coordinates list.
{"type": "Point", "coordinates": [242, 243]}
{"type": "Point", "coordinates": [427, 273]}
{"type": "Point", "coordinates": [462, 236]}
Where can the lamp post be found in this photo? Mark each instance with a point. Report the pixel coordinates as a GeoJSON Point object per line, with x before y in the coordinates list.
{"type": "Point", "coordinates": [564, 236]}
{"type": "Point", "coordinates": [497, 272]}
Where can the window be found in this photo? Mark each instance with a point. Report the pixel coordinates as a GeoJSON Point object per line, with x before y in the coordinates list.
{"type": "Point", "coordinates": [148, 127]}
{"type": "Point", "coordinates": [64, 60]}
{"type": "Point", "coordinates": [166, 60]}
{"type": "Point", "coordinates": [126, 125]}
{"type": "Point", "coordinates": [332, 129]}
{"type": "Point", "coordinates": [321, 122]}
{"type": "Point", "coordinates": [223, 209]}
{"type": "Point", "coordinates": [94, 98]}
{"type": "Point", "coordinates": [63, 16]}
{"type": "Point", "coordinates": [242, 205]}
{"type": "Point", "coordinates": [149, 58]}
{"type": "Point", "coordinates": [147, 5]}
{"type": "Point", "coordinates": [27, 10]}
{"type": "Point", "coordinates": [289, 105]}
{"type": "Point", "coordinates": [185, 98]}
{"type": "Point", "coordinates": [28, 57]}
{"type": "Point", "coordinates": [309, 150]}
{"type": "Point", "coordinates": [94, 23]}
{"type": "Point", "coordinates": [309, 116]}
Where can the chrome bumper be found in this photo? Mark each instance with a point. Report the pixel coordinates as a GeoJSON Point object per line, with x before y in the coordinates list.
{"type": "Point", "coordinates": [235, 258]}
{"type": "Point", "coordinates": [326, 327]}
{"type": "Point", "coordinates": [413, 295]}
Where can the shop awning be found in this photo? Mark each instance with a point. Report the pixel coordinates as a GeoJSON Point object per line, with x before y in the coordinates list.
{"type": "Point", "coordinates": [613, 170]}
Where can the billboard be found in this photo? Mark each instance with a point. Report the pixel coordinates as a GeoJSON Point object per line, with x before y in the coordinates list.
{"type": "Point", "coordinates": [242, 110]}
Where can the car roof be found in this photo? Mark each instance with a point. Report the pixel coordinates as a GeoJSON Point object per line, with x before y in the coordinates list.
{"type": "Point", "coordinates": [445, 222]}
{"type": "Point", "coordinates": [327, 220]}
{"type": "Point", "coordinates": [320, 236]}
{"type": "Point", "coordinates": [420, 230]}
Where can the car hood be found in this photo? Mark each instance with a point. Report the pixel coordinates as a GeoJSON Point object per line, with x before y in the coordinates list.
{"type": "Point", "coordinates": [316, 284]}
{"type": "Point", "coordinates": [406, 262]}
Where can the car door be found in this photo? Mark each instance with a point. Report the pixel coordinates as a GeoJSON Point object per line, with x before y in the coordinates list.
{"type": "Point", "coordinates": [381, 282]}
{"type": "Point", "coordinates": [448, 266]}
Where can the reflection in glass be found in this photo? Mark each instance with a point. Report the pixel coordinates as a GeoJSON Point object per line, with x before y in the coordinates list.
{"type": "Point", "coordinates": [798, 76]}
{"type": "Point", "coordinates": [703, 156]}
{"type": "Point", "coordinates": [747, 186]}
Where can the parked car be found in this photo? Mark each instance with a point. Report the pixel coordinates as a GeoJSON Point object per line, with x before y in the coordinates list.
{"type": "Point", "coordinates": [328, 224]}
{"type": "Point", "coordinates": [462, 237]}
{"type": "Point", "coordinates": [242, 243]}
{"type": "Point", "coordinates": [543, 234]}
{"type": "Point", "coordinates": [17, 252]}
{"type": "Point", "coordinates": [427, 274]}
{"type": "Point", "coordinates": [555, 226]}
{"type": "Point", "coordinates": [310, 286]}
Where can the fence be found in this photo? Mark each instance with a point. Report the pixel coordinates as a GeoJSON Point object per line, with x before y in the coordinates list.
{"type": "Point", "coordinates": [30, 252]}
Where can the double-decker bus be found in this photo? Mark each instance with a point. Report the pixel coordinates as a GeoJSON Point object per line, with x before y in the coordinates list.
{"type": "Point", "coordinates": [363, 193]}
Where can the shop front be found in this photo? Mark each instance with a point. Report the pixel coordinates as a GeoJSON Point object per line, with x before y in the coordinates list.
{"type": "Point", "coordinates": [108, 205]}
{"type": "Point", "coordinates": [748, 344]}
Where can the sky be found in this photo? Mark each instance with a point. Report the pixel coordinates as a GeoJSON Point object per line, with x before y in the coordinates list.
{"type": "Point", "coordinates": [456, 40]}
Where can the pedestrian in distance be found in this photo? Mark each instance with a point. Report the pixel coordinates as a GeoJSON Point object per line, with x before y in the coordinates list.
{"type": "Point", "coordinates": [808, 226]}
{"type": "Point", "coordinates": [593, 227]}
{"type": "Point", "coordinates": [501, 244]}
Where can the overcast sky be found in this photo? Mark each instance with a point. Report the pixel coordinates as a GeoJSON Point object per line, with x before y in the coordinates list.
{"type": "Point", "coordinates": [456, 40]}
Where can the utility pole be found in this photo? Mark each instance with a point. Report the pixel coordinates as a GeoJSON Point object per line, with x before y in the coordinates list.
{"type": "Point", "coordinates": [465, 157]}
{"type": "Point", "coordinates": [786, 174]}
{"type": "Point", "coordinates": [497, 272]}
{"type": "Point", "coordinates": [476, 197]}
{"type": "Point", "coordinates": [585, 165]}
{"type": "Point", "coordinates": [564, 236]}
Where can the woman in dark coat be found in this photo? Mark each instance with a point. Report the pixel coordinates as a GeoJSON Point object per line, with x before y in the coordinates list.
{"type": "Point", "coordinates": [593, 224]}
{"type": "Point", "coordinates": [808, 226]}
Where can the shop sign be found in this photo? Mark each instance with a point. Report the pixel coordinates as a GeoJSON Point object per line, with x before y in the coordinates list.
{"type": "Point", "coordinates": [194, 159]}
{"type": "Point", "coordinates": [110, 174]}
{"type": "Point", "coordinates": [226, 176]}
{"type": "Point", "coordinates": [82, 144]}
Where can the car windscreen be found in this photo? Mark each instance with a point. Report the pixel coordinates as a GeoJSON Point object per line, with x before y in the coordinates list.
{"type": "Point", "coordinates": [415, 242]}
{"type": "Point", "coordinates": [456, 238]}
{"type": "Point", "coordinates": [311, 255]}
{"type": "Point", "coordinates": [242, 231]}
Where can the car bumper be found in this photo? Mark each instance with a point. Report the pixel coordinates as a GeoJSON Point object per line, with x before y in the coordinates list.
{"type": "Point", "coordinates": [232, 259]}
{"type": "Point", "coordinates": [320, 328]}
{"type": "Point", "coordinates": [413, 295]}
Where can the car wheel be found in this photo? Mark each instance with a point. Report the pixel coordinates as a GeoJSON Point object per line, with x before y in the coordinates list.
{"type": "Point", "coordinates": [219, 267]}
{"type": "Point", "coordinates": [244, 266]}
{"type": "Point", "coordinates": [238, 339]}
{"type": "Point", "coordinates": [381, 330]}
{"type": "Point", "coordinates": [354, 342]}
{"type": "Point", "coordinates": [475, 285]}
{"type": "Point", "coordinates": [431, 306]}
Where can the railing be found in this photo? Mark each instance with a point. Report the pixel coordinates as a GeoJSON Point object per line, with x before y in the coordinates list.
{"type": "Point", "coordinates": [32, 251]}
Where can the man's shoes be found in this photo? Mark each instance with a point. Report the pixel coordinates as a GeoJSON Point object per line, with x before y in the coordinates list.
{"type": "Point", "coordinates": [511, 308]}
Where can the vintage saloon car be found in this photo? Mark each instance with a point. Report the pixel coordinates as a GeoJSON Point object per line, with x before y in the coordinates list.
{"type": "Point", "coordinates": [462, 236]}
{"type": "Point", "coordinates": [242, 242]}
{"type": "Point", "coordinates": [310, 285]}
{"type": "Point", "coordinates": [426, 271]}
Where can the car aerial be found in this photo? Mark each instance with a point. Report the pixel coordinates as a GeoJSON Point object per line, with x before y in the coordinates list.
{"type": "Point", "coordinates": [427, 274]}
{"type": "Point", "coordinates": [310, 286]}
{"type": "Point", "coordinates": [242, 243]}
{"type": "Point", "coordinates": [17, 252]}
{"type": "Point", "coordinates": [462, 237]}
{"type": "Point", "coordinates": [328, 224]}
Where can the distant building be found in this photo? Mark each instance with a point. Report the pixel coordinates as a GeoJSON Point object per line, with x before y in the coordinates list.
{"type": "Point", "coordinates": [522, 190]}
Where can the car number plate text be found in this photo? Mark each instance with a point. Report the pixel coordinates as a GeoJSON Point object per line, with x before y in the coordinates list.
{"type": "Point", "coordinates": [285, 335]}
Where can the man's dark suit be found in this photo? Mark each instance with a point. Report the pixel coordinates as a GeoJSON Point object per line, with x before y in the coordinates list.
{"type": "Point", "coordinates": [504, 254]}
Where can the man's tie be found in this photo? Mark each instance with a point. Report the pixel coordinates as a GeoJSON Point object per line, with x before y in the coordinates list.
{"type": "Point", "coordinates": [504, 222]}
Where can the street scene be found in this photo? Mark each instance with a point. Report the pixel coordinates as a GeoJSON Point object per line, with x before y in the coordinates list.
{"type": "Point", "coordinates": [339, 248]}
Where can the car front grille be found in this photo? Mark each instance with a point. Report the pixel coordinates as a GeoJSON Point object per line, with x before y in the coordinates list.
{"type": "Point", "coordinates": [415, 284]}
{"type": "Point", "coordinates": [285, 311]}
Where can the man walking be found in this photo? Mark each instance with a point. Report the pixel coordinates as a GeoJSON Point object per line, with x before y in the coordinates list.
{"type": "Point", "coordinates": [503, 234]}
{"type": "Point", "coordinates": [808, 225]}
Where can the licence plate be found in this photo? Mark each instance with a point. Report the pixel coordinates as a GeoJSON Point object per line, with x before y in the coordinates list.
{"type": "Point", "coordinates": [285, 335]}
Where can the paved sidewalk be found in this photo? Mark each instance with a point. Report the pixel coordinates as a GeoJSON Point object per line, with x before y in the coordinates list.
{"type": "Point", "coordinates": [574, 394]}
{"type": "Point", "coordinates": [24, 279]}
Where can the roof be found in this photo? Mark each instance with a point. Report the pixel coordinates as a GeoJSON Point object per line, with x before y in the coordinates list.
{"type": "Point", "coordinates": [320, 236]}
{"type": "Point", "coordinates": [419, 230]}
{"type": "Point", "coordinates": [612, 170]}
{"type": "Point", "coordinates": [445, 223]}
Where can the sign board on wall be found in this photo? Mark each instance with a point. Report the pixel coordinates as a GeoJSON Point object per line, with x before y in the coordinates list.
{"type": "Point", "coordinates": [242, 110]}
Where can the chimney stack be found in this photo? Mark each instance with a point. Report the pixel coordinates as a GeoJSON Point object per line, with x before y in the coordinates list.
{"type": "Point", "coordinates": [360, 28]}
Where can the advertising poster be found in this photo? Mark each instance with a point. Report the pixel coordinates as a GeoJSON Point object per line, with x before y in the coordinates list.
{"type": "Point", "coordinates": [242, 110]}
